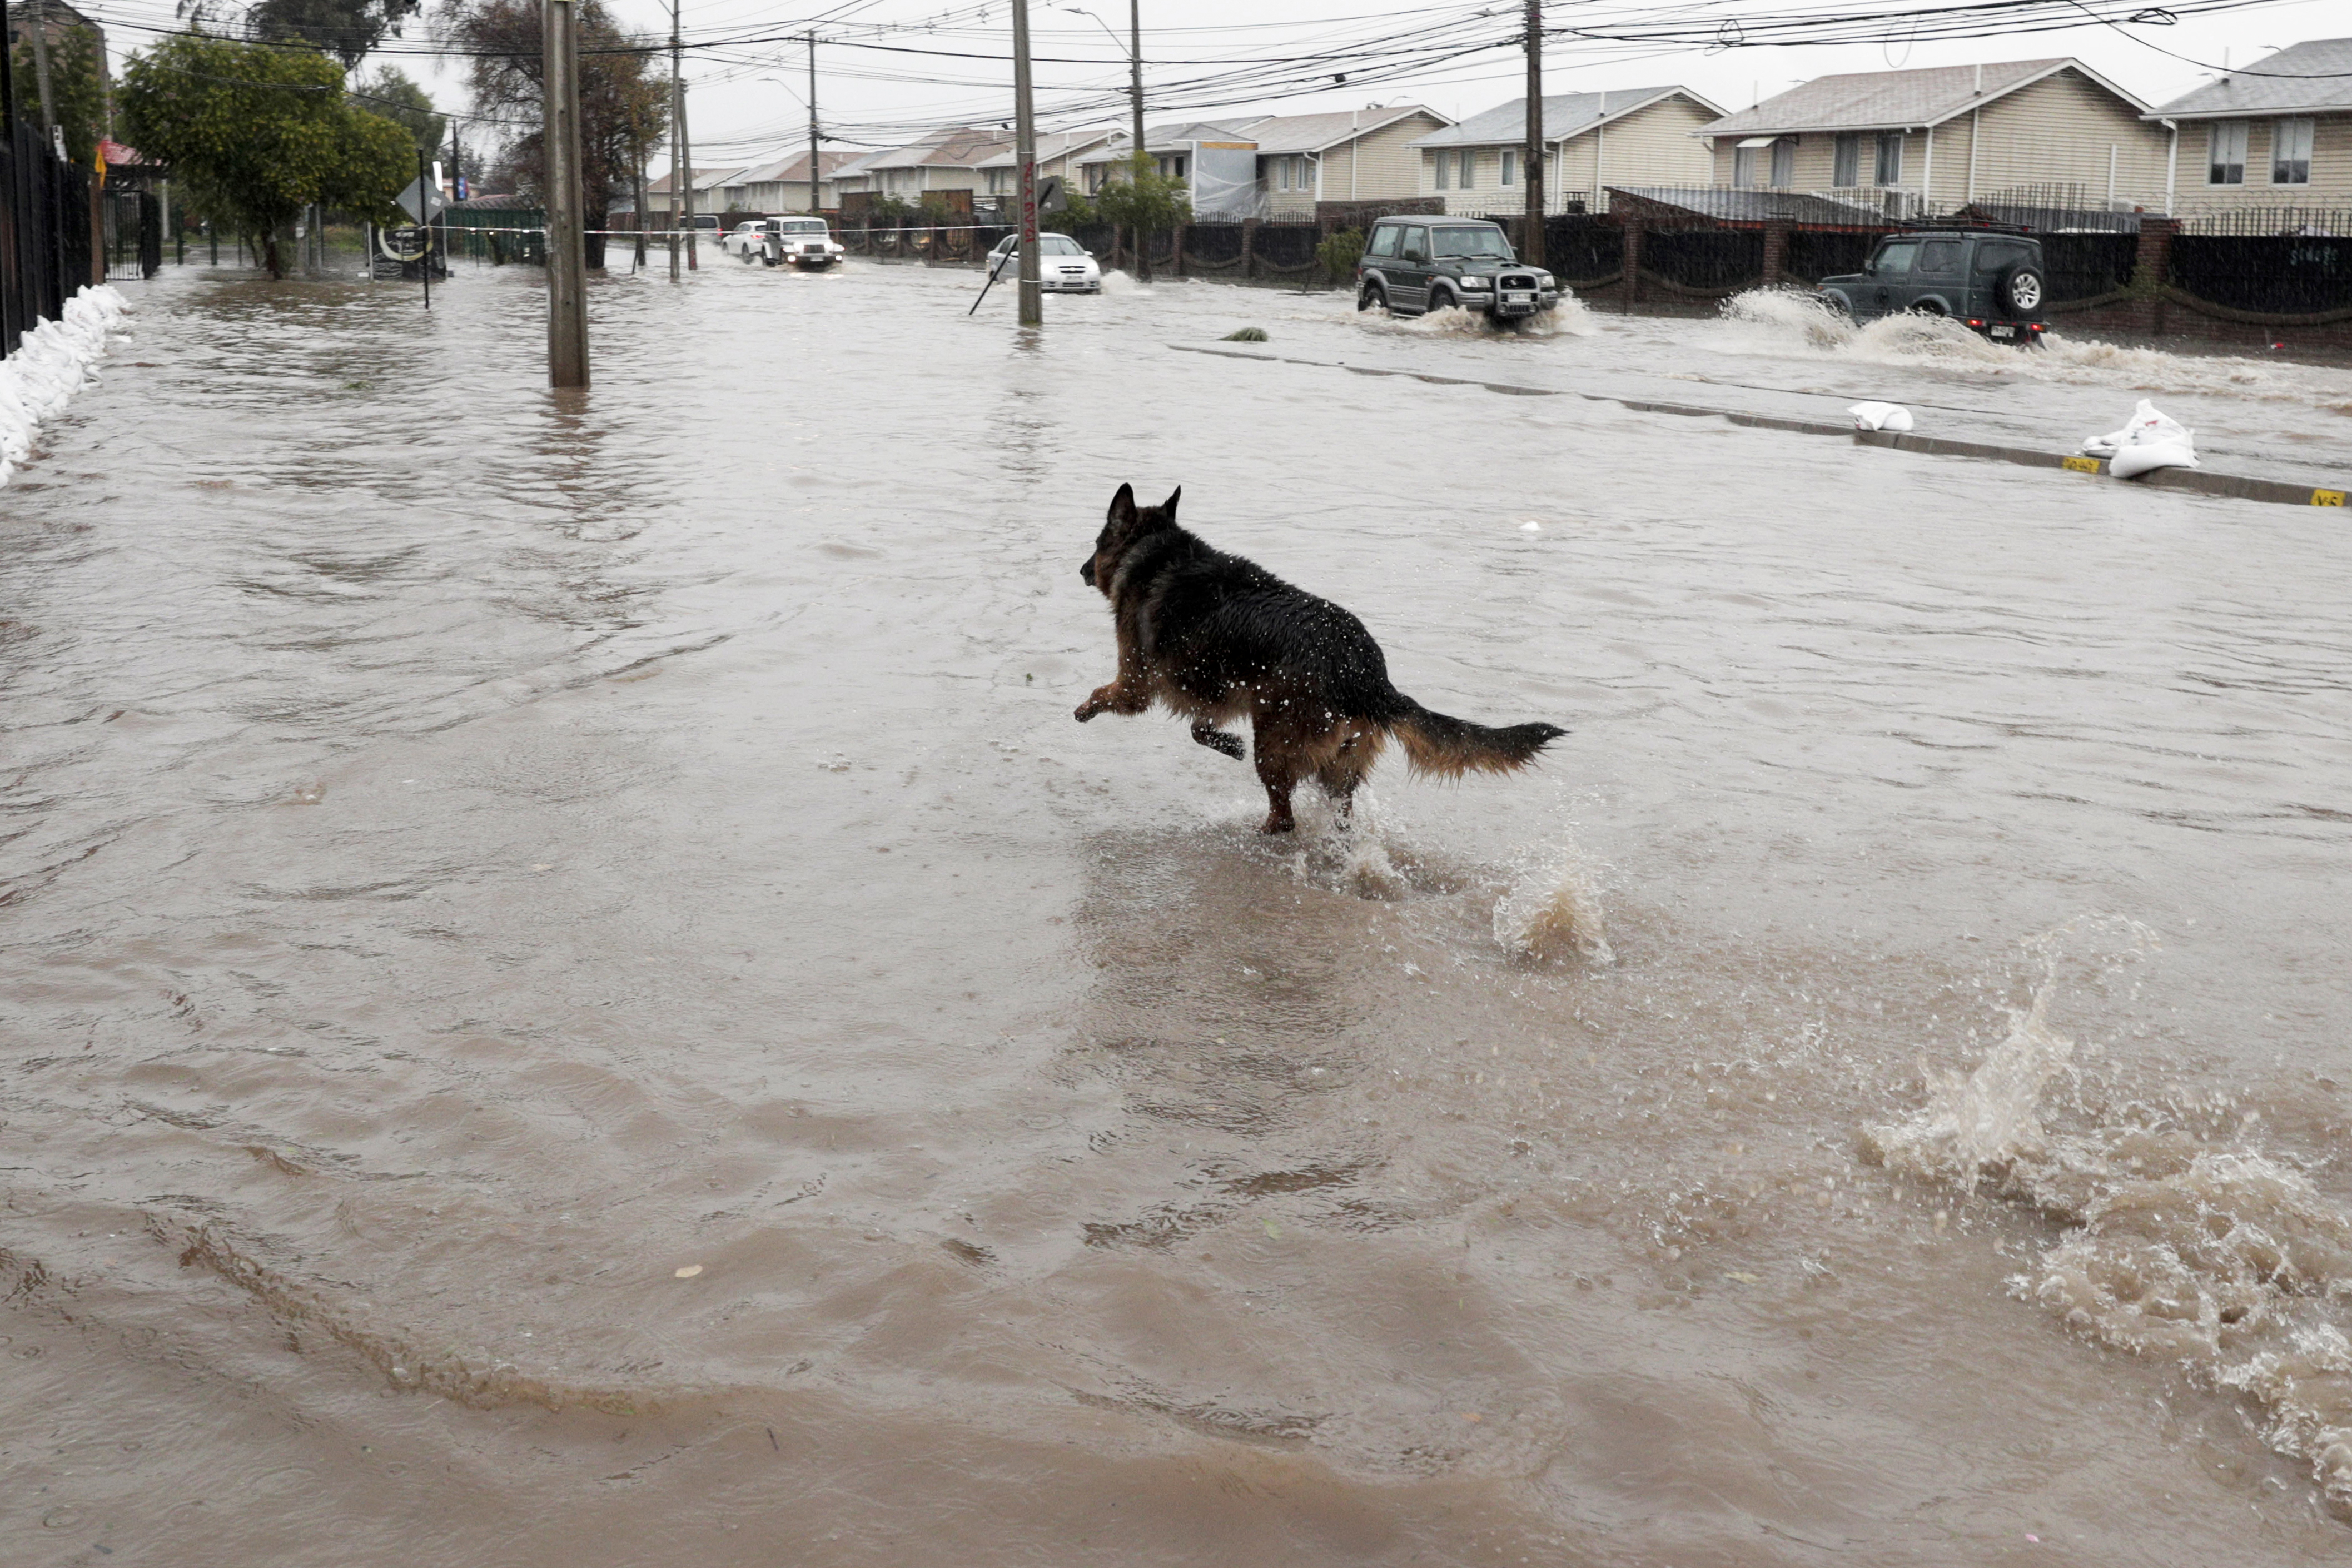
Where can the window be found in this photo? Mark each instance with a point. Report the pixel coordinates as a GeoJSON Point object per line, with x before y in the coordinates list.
{"type": "Point", "coordinates": [1281, 174]}
{"type": "Point", "coordinates": [1510, 168]}
{"type": "Point", "coordinates": [1895, 259]}
{"type": "Point", "coordinates": [1743, 166]}
{"type": "Point", "coordinates": [1784, 163]}
{"type": "Point", "coordinates": [1467, 167]}
{"type": "Point", "coordinates": [2290, 152]}
{"type": "Point", "coordinates": [1481, 240]}
{"type": "Point", "coordinates": [1414, 247]}
{"type": "Point", "coordinates": [1305, 173]}
{"type": "Point", "coordinates": [1384, 240]}
{"type": "Point", "coordinates": [1941, 258]}
{"type": "Point", "coordinates": [1847, 172]}
{"type": "Point", "coordinates": [2226, 161]}
{"type": "Point", "coordinates": [1992, 258]}
{"type": "Point", "coordinates": [1890, 158]}
{"type": "Point", "coordinates": [1444, 169]}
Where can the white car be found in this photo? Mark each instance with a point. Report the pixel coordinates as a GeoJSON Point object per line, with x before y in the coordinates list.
{"type": "Point", "coordinates": [1062, 265]}
{"type": "Point", "coordinates": [804, 242]}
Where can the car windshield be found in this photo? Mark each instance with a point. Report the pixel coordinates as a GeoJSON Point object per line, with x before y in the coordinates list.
{"type": "Point", "coordinates": [1894, 261]}
{"type": "Point", "coordinates": [1047, 245]}
{"type": "Point", "coordinates": [804, 225]}
{"type": "Point", "coordinates": [1481, 241]}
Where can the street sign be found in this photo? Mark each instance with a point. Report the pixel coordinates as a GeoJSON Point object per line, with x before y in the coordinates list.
{"type": "Point", "coordinates": [421, 201]}
{"type": "Point", "coordinates": [1050, 196]}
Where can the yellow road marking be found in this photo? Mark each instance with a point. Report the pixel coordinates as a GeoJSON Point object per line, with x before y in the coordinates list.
{"type": "Point", "coordinates": [2084, 464]}
{"type": "Point", "coordinates": [2328, 497]}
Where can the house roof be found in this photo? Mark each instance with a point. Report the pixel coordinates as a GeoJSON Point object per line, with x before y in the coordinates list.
{"type": "Point", "coordinates": [704, 179]}
{"type": "Point", "coordinates": [1054, 144]}
{"type": "Point", "coordinates": [1741, 204]}
{"type": "Point", "coordinates": [1280, 133]}
{"type": "Point", "coordinates": [1178, 137]}
{"type": "Point", "coordinates": [1565, 114]}
{"type": "Point", "coordinates": [1897, 100]}
{"type": "Point", "coordinates": [962, 147]}
{"type": "Point", "coordinates": [2314, 76]}
{"type": "Point", "coordinates": [795, 168]}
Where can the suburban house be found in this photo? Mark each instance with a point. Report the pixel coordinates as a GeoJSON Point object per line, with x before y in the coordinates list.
{"type": "Point", "coordinates": [1217, 162]}
{"type": "Point", "coordinates": [708, 192]}
{"type": "Point", "coordinates": [1626, 136]}
{"type": "Point", "coordinates": [783, 184]}
{"type": "Point", "coordinates": [1057, 156]}
{"type": "Point", "coordinates": [1359, 155]}
{"type": "Point", "coordinates": [2054, 133]}
{"type": "Point", "coordinates": [943, 161]}
{"type": "Point", "coordinates": [2277, 133]}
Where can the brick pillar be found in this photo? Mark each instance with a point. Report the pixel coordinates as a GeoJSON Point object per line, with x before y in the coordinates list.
{"type": "Point", "coordinates": [1633, 281]}
{"type": "Point", "coordinates": [1776, 253]}
{"type": "Point", "coordinates": [1249, 248]}
{"type": "Point", "coordinates": [2151, 270]}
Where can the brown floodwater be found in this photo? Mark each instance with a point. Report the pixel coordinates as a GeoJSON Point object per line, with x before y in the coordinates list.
{"type": "Point", "coordinates": [575, 995]}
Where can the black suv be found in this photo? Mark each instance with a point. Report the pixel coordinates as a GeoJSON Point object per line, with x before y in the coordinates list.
{"type": "Point", "coordinates": [1993, 283]}
{"type": "Point", "coordinates": [1413, 266]}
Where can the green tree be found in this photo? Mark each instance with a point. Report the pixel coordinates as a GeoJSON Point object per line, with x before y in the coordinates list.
{"type": "Point", "coordinates": [1146, 203]}
{"type": "Point", "coordinates": [1077, 213]}
{"type": "Point", "coordinates": [623, 106]}
{"type": "Point", "coordinates": [257, 133]}
{"type": "Point", "coordinates": [390, 93]}
{"type": "Point", "coordinates": [1340, 253]}
{"type": "Point", "coordinates": [77, 89]}
{"type": "Point", "coordinates": [346, 29]}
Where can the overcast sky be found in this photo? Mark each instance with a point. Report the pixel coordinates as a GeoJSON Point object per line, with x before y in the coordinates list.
{"type": "Point", "coordinates": [750, 100]}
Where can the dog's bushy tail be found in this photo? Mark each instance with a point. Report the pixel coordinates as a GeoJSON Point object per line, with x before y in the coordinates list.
{"type": "Point", "coordinates": [1440, 744]}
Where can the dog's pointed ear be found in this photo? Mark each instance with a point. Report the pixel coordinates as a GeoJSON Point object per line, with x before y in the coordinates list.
{"type": "Point", "coordinates": [1168, 506]}
{"type": "Point", "coordinates": [1122, 506]}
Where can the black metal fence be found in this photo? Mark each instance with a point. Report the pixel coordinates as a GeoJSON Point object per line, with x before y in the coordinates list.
{"type": "Point", "coordinates": [1816, 254]}
{"type": "Point", "coordinates": [2085, 266]}
{"type": "Point", "coordinates": [2287, 275]}
{"type": "Point", "coordinates": [1582, 250]}
{"type": "Point", "coordinates": [45, 232]}
{"type": "Point", "coordinates": [1706, 260]}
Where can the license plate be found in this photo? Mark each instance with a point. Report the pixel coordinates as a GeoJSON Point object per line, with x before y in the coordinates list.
{"type": "Point", "coordinates": [1518, 298]}
{"type": "Point", "coordinates": [2004, 331]}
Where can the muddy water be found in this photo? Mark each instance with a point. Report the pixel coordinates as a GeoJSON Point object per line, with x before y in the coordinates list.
{"type": "Point", "coordinates": [574, 992]}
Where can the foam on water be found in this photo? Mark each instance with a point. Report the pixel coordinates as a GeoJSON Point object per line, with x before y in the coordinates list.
{"type": "Point", "coordinates": [1555, 911]}
{"type": "Point", "coordinates": [2225, 1259]}
{"type": "Point", "coordinates": [1784, 322]}
{"type": "Point", "coordinates": [1569, 319]}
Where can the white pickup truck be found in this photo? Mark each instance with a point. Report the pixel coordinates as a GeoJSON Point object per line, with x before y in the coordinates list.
{"type": "Point", "coordinates": [803, 242]}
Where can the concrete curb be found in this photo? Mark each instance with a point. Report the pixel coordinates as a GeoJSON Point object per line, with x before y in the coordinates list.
{"type": "Point", "coordinates": [2197, 481]}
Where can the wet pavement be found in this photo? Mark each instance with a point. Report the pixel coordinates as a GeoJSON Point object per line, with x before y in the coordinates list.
{"type": "Point", "coordinates": [574, 991]}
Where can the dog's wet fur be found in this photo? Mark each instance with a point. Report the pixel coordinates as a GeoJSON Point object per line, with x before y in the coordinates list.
{"type": "Point", "coordinates": [1218, 639]}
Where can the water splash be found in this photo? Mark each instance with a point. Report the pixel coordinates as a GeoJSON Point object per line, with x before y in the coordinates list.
{"type": "Point", "coordinates": [1555, 910]}
{"type": "Point", "coordinates": [1569, 319]}
{"type": "Point", "coordinates": [2223, 1259]}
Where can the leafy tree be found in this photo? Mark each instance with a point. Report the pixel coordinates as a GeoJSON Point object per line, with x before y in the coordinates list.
{"type": "Point", "coordinates": [346, 29]}
{"type": "Point", "coordinates": [1147, 202]}
{"type": "Point", "coordinates": [77, 89]}
{"type": "Point", "coordinates": [257, 133]}
{"type": "Point", "coordinates": [390, 93]}
{"type": "Point", "coordinates": [623, 106]}
{"type": "Point", "coordinates": [1079, 214]}
{"type": "Point", "coordinates": [1340, 253]}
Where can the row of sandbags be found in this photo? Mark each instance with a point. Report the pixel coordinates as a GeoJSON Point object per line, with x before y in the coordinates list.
{"type": "Point", "coordinates": [50, 364]}
{"type": "Point", "coordinates": [2153, 439]}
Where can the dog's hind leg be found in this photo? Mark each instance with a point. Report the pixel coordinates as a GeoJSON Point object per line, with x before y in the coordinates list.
{"type": "Point", "coordinates": [1276, 772]}
{"type": "Point", "coordinates": [1207, 733]}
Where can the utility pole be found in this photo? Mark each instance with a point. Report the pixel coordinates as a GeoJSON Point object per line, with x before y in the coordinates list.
{"type": "Point", "coordinates": [41, 64]}
{"type": "Point", "coordinates": [816, 207]}
{"type": "Point", "coordinates": [1531, 249]}
{"type": "Point", "coordinates": [1025, 157]}
{"type": "Point", "coordinates": [567, 260]}
{"type": "Point", "coordinates": [676, 135]}
{"type": "Point", "coordinates": [685, 146]}
{"type": "Point", "coordinates": [1135, 98]}
{"type": "Point", "coordinates": [425, 249]}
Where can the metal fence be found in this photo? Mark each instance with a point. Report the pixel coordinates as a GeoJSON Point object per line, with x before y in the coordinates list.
{"type": "Point", "coordinates": [2276, 222]}
{"type": "Point", "coordinates": [45, 232]}
{"type": "Point", "coordinates": [2287, 275]}
{"type": "Point", "coordinates": [2084, 266]}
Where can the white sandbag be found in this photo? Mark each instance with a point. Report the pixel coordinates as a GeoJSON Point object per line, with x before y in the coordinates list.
{"type": "Point", "coordinates": [1880, 416]}
{"type": "Point", "coordinates": [2146, 457]}
{"type": "Point", "coordinates": [52, 362]}
{"type": "Point", "coordinates": [2170, 444]}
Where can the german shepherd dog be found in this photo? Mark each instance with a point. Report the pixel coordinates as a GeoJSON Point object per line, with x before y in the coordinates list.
{"type": "Point", "coordinates": [1217, 637]}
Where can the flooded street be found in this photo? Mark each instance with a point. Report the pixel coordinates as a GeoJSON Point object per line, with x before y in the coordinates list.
{"type": "Point", "coordinates": [575, 995]}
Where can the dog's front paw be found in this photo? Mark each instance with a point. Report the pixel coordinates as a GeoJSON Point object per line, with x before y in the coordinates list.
{"type": "Point", "coordinates": [1098, 702]}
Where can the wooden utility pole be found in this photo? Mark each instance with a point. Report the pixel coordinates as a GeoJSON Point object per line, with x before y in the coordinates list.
{"type": "Point", "coordinates": [676, 135]}
{"type": "Point", "coordinates": [41, 65]}
{"type": "Point", "coordinates": [1531, 249]}
{"type": "Point", "coordinates": [816, 206]}
{"type": "Point", "coordinates": [567, 256]}
{"type": "Point", "coordinates": [685, 146]}
{"type": "Point", "coordinates": [1024, 156]}
{"type": "Point", "coordinates": [1135, 102]}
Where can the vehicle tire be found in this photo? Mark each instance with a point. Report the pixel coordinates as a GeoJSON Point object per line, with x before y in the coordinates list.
{"type": "Point", "coordinates": [1443, 299]}
{"type": "Point", "coordinates": [1371, 297]}
{"type": "Point", "coordinates": [2024, 291]}
{"type": "Point", "coordinates": [1830, 299]}
{"type": "Point", "coordinates": [1929, 307]}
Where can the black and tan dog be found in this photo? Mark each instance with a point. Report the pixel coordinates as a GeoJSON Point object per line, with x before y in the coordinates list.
{"type": "Point", "coordinates": [1217, 638]}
